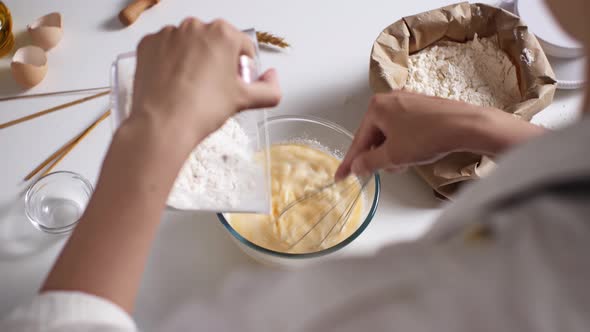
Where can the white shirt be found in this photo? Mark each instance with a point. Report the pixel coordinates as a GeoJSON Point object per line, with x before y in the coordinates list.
{"type": "Point", "coordinates": [509, 255]}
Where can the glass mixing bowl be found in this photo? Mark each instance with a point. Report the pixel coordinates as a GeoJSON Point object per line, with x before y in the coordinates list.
{"type": "Point", "coordinates": [311, 131]}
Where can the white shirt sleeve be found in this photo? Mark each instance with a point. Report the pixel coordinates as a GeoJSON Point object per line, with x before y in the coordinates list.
{"type": "Point", "coordinates": [64, 311]}
{"type": "Point", "coordinates": [511, 270]}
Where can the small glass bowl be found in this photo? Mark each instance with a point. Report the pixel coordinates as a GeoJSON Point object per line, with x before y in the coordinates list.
{"type": "Point", "coordinates": [312, 131]}
{"type": "Point", "coordinates": [55, 202]}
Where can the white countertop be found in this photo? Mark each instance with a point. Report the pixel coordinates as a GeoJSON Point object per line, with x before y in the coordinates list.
{"type": "Point", "coordinates": [324, 74]}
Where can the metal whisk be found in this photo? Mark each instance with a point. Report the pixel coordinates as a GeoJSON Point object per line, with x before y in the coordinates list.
{"type": "Point", "coordinates": [345, 195]}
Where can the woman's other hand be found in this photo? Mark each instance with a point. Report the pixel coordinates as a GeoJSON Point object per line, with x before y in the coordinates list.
{"type": "Point", "coordinates": [402, 129]}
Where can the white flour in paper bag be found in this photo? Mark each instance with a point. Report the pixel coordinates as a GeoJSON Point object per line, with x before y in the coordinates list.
{"type": "Point", "coordinates": [477, 72]}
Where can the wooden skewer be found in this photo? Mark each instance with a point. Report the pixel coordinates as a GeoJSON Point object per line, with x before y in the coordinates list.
{"type": "Point", "coordinates": [60, 154]}
{"type": "Point", "coordinates": [53, 109]}
{"type": "Point", "coordinates": [55, 93]}
{"type": "Point", "coordinates": [50, 158]}
{"type": "Point", "coordinates": [73, 145]}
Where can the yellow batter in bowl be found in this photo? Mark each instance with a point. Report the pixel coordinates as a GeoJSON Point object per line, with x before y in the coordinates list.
{"type": "Point", "coordinates": [297, 170]}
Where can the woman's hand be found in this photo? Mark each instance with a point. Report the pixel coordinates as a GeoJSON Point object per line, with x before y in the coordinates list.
{"type": "Point", "coordinates": [187, 81]}
{"type": "Point", "coordinates": [401, 129]}
{"type": "Point", "coordinates": [186, 86]}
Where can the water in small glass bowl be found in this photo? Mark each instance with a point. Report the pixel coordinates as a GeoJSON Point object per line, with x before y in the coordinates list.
{"type": "Point", "coordinates": [55, 202]}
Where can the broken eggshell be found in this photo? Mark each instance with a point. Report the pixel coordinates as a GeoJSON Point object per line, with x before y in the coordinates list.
{"type": "Point", "coordinates": [46, 31]}
{"type": "Point", "coordinates": [29, 66]}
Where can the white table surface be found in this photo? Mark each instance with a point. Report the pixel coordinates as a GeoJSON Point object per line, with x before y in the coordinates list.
{"type": "Point", "coordinates": [324, 74]}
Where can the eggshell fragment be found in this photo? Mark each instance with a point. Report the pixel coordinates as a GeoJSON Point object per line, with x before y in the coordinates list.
{"type": "Point", "coordinates": [46, 31]}
{"type": "Point", "coordinates": [29, 66]}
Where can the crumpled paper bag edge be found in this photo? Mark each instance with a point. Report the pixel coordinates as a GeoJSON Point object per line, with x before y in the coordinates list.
{"type": "Point", "coordinates": [388, 68]}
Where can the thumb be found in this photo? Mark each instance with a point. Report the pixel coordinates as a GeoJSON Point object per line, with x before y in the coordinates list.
{"type": "Point", "coordinates": [265, 92]}
{"type": "Point", "coordinates": [370, 161]}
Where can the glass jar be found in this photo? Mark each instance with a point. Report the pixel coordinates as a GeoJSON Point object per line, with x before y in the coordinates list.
{"type": "Point", "coordinates": [6, 36]}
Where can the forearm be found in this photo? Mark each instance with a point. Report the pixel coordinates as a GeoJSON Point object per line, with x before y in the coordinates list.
{"type": "Point", "coordinates": [491, 132]}
{"type": "Point", "coordinates": [106, 253]}
{"type": "Point", "coordinates": [177, 102]}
